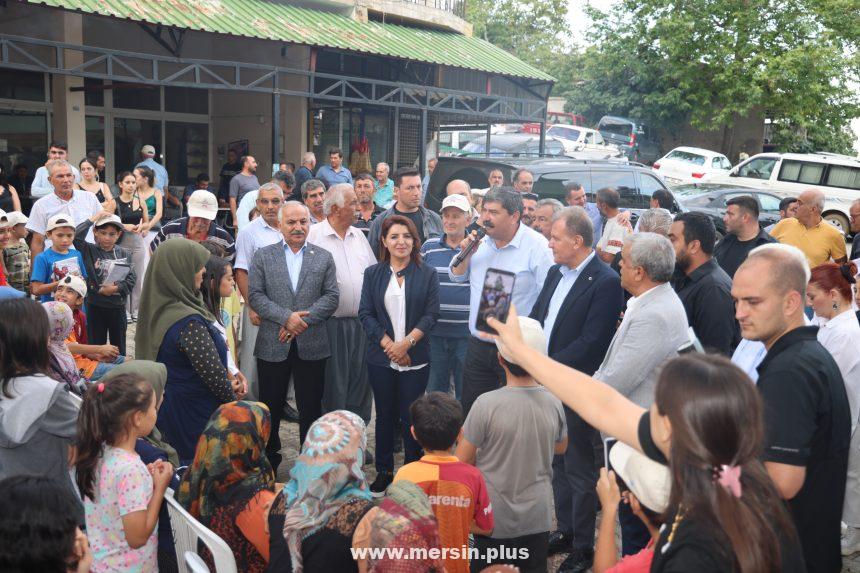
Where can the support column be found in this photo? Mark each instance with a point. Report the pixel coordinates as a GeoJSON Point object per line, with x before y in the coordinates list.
{"type": "Point", "coordinates": [542, 142]}
{"type": "Point", "coordinates": [422, 149]}
{"type": "Point", "coordinates": [277, 152]}
{"type": "Point", "coordinates": [69, 112]}
{"type": "Point", "coordinates": [487, 145]}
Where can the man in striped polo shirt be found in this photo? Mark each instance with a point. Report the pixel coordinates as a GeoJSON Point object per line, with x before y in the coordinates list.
{"type": "Point", "coordinates": [450, 337]}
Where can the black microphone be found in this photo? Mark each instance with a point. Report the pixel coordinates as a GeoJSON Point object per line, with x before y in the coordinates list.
{"type": "Point", "coordinates": [461, 256]}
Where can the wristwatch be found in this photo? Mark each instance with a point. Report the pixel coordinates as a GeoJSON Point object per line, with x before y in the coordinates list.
{"type": "Point", "coordinates": [411, 340]}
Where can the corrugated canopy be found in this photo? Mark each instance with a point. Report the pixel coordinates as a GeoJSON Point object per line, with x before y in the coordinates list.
{"type": "Point", "coordinates": [273, 20]}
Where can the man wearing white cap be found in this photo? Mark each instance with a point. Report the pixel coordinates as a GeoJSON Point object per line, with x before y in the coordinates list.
{"type": "Point", "coordinates": [450, 337]}
{"type": "Point", "coordinates": [5, 239]}
{"type": "Point", "coordinates": [148, 154]}
{"type": "Point", "coordinates": [16, 253]}
{"type": "Point", "coordinates": [199, 225]}
{"type": "Point", "coordinates": [516, 459]}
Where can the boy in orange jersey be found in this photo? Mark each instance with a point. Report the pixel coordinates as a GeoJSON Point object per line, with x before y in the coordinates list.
{"type": "Point", "coordinates": [456, 490]}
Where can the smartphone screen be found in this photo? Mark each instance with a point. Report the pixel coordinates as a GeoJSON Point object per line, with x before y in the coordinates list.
{"type": "Point", "coordinates": [607, 445]}
{"type": "Point", "coordinates": [495, 298]}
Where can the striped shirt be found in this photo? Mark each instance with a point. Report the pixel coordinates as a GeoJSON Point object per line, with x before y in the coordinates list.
{"type": "Point", "coordinates": [453, 297]}
{"type": "Point", "coordinates": [178, 229]}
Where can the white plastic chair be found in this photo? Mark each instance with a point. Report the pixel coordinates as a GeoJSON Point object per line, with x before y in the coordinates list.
{"type": "Point", "coordinates": [187, 531]}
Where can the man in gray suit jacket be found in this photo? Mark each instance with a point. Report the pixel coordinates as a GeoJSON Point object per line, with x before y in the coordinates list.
{"type": "Point", "coordinates": [292, 285]}
{"type": "Point", "coordinates": [653, 328]}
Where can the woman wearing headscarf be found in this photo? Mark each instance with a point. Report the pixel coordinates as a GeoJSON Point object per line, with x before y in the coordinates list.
{"type": "Point", "coordinates": [176, 330]}
{"type": "Point", "coordinates": [404, 519]}
{"type": "Point", "coordinates": [313, 519]}
{"type": "Point", "coordinates": [62, 367]}
{"type": "Point", "coordinates": [230, 484]}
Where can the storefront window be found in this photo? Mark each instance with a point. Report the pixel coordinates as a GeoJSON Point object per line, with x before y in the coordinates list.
{"type": "Point", "coordinates": [187, 151]}
{"type": "Point", "coordinates": [186, 100]}
{"type": "Point", "coordinates": [94, 93]}
{"type": "Point", "coordinates": [137, 97]}
{"type": "Point", "coordinates": [23, 140]}
{"type": "Point", "coordinates": [27, 86]}
{"type": "Point", "coordinates": [130, 135]}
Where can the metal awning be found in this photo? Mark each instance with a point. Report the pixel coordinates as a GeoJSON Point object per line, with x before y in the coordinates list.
{"type": "Point", "coordinates": [273, 20]}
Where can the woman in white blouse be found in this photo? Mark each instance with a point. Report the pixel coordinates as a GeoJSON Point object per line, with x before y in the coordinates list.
{"type": "Point", "coordinates": [830, 296]}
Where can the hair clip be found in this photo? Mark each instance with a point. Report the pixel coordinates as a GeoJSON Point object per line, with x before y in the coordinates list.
{"type": "Point", "coordinates": [100, 387]}
{"type": "Point", "coordinates": [730, 478]}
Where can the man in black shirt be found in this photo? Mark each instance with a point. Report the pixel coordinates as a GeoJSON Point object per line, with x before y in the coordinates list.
{"type": "Point", "coordinates": [407, 203]}
{"type": "Point", "coordinates": [807, 417]}
{"type": "Point", "coordinates": [703, 287]}
{"type": "Point", "coordinates": [743, 233]}
{"type": "Point", "coordinates": [228, 170]}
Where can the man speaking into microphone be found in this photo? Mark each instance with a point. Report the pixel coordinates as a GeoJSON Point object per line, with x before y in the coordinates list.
{"type": "Point", "coordinates": [509, 246]}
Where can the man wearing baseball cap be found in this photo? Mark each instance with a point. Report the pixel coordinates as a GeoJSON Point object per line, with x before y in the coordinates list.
{"type": "Point", "coordinates": [515, 454]}
{"type": "Point", "coordinates": [16, 253]}
{"type": "Point", "coordinates": [450, 337]}
{"type": "Point", "coordinates": [147, 152]}
{"type": "Point", "coordinates": [199, 225]}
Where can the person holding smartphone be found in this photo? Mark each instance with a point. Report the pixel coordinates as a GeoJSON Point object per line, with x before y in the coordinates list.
{"type": "Point", "coordinates": [399, 306]}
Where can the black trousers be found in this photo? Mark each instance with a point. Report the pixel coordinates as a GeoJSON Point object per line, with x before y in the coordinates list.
{"type": "Point", "coordinates": [481, 372]}
{"type": "Point", "coordinates": [274, 381]}
{"type": "Point", "coordinates": [574, 478]}
{"type": "Point", "coordinates": [104, 323]}
{"type": "Point", "coordinates": [528, 552]}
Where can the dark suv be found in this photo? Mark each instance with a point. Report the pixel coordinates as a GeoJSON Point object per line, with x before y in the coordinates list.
{"type": "Point", "coordinates": [635, 182]}
{"type": "Point", "coordinates": [633, 138]}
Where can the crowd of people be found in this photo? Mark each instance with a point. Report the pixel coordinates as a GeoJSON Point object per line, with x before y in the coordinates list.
{"type": "Point", "coordinates": [700, 394]}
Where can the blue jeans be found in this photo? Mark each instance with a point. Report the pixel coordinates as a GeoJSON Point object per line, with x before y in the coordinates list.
{"type": "Point", "coordinates": [447, 355]}
{"type": "Point", "coordinates": [105, 367]}
{"type": "Point", "coordinates": [393, 393]}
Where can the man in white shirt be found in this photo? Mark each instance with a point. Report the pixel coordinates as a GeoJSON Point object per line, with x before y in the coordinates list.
{"type": "Point", "coordinates": [78, 205]}
{"type": "Point", "coordinates": [508, 246]}
{"type": "Point", "coordinates": [346, 383]}
{"type": "Point", "coordinates": [147, 153]}
{"type": "Point", "coordinates": [41, 186]}
{"type": "Point", "coordinates": [261, 232]}
{"type": "Point", "coordinates": [614, 231]}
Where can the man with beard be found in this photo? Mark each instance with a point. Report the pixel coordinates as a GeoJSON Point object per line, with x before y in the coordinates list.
{"type": "Point", "coordinates": [242, 183]}
{"type": "Point", "coordinates": [367, 209]}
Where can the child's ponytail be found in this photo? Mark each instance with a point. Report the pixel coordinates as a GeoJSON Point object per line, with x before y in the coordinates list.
{"type": "Point", "coordinates": [104, 419]}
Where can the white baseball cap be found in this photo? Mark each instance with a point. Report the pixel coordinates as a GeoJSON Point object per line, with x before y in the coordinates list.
{"type": "Point", "coordinates": [16, 218]}
{"type": "Point", "coordinates": [533, 336]}
{"type": "Point", "coordinates": [59, 220]}
{"type": "Point", "coordinates": [75, 283]}
{"type": "Point", "coordinates": [203, 204]}
{"type": "Point", "coordinates": [458, 201]}
{"type": "Point", "coordinates": [480, 192]}
{"type": "Point", "coordinates": [649, 481]}
{"type": "Point", "coordinates": [147, 150]}
{"type": "Point", "coordinates": [110, 220]}
{"type": "Point", "coordinates": [4, 220]}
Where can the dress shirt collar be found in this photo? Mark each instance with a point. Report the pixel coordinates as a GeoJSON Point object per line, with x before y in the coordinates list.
{"type": "Point", "coordinates": [516, 242]}
{"type": "Point", "coordinates": [703, 270]}
{"type": "Point", "coordinates": [328, 231]}
{"type": "Point", "coordinates": [839, 321]}
{"type": "Point", "coordinates": [289, 250]}
{"type": "Point", "coordinates": [566, 270]}
{"type": "Point", "coordinates": [799, 334]}
{"type": "Point", "coordinates": [637, 300]}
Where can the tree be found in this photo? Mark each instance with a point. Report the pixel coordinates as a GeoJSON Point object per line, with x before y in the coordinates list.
{"type": "Point", "coordinates": [710, 62]}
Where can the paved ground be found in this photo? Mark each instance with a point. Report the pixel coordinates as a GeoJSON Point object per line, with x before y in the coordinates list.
{"type": "Point", "coordinates": [290, 441]}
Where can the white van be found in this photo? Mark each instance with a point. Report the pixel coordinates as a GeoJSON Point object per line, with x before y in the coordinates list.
{"type": "Point", "coordinates": [789, 174]}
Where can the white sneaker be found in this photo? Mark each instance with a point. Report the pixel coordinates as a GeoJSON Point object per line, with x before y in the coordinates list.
{"type": "Point", "coordinates": [851, 541]}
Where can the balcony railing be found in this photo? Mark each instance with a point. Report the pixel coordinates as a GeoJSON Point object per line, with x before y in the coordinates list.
{"type": "Point", "coordinates": [456, 7]}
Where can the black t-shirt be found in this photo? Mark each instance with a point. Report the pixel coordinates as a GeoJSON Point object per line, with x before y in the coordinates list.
{"type": "Point", "coordinates": [695, 546]}
{"type": "Point", "coordinates": [808, 424]}
{"type": "Point", "coordinates": [417, 219]}
{"type": "Point", "coordinates": [707, 298]}
{"type": "Point", "coordinates": [731, 253]}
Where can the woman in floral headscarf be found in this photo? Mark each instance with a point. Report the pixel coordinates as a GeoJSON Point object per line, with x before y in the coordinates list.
{"type": "Point", "coordinates": [62, 364]}
{"type": "Point", "coordinates": [312, 521]}
{"type": "Point", "coordinates": [230, 484]}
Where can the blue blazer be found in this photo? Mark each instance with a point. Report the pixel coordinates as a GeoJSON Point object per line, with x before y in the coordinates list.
{"type": "Point", "coordinates": [422, 309]}
{"type": "Point", "coordinates": [587, 318]}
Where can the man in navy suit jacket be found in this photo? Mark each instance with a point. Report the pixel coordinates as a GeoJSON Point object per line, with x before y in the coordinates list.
{"type": "Point", "coordinates": [579, 307]}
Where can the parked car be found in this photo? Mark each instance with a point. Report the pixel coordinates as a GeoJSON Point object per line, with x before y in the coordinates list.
{"type": "Point", "coordinates": [634, 182]}
{"type": "Point", "coordinates": [633, 138]}
{"type": "Point", "coordinates": [451, 141]}
{"type": "Point", "coordinates": [789, 174]}
{"type": "Point", "coordinates": [513, 145]}
{"type": "Point", "coordinates": [688, 164]}
{"type": "Point", "coordinates": [710, 198]}
{"type": "Point", "coordinates": [583, 141]}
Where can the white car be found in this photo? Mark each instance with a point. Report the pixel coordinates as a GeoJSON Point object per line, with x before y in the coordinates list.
{"type": "Point", "coordinates": [690, 164]}
{"type": "Point", "coordinates": [583, 141]}
{"type": "Point", "coordinates": [789, 174]}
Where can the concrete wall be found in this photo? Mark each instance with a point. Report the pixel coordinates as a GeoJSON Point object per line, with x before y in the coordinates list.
{"type": "Point", "coordinates": [748, 136]}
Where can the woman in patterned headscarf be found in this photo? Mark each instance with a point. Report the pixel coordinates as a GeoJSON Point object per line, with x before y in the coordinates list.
{"type": "Point", "coordinates": [312, 521]}
{"type": "Point", "coordinates": [62, 363]}
{"type": "Point", "coordinates": [231, 483]}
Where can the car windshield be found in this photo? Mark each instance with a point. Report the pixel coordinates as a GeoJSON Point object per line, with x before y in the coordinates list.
{"type": "Point", "coordinates": [682, 191]}
{"type": "Point", "coordinates": [624, 129]}
{"type": "Point", "coordinates": [563, 132]}
{"type": "Point", "coordinates": [687, 157]}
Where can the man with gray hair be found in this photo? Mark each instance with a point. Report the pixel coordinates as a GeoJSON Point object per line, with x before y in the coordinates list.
{"type": "Point", "coordinates": [383, 186]}
{"type": "Point", "coordinates": [655, 220]}
{"type": "Point", "coordinates": [820, 241]}
{"type": "Point", "coordinates": [306, 170]}
{"type": "Point", "coordinates": [544, 215]}
{"type": "Point", "coordinates": [806, 410]}
{"type": "Point", "coordinates": [78, 204]}
{"type": "Point", "coordinates": [346, 383]}
{"type": "Point", "coordinates": [653, 328]}
{"type": "Point", "coordinates": [578, 308]}
{"type": "Point", "coordinates": [313, 196]}
{"type": "Point", "coordinates": [509, 246]}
